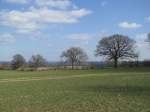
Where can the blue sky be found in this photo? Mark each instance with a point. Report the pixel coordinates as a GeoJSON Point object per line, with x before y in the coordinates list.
{"type": "Point", "coordinates": [48, 27]}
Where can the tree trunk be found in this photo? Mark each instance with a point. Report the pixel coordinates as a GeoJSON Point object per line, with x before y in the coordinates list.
{"type": "Point", "coordinates": [72, 64]}
{"type": "Point", "coordinates": [115, 63]}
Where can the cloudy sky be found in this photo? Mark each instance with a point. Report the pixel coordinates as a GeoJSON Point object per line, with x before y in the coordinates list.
{"type": "Point", "coordinates": [48, 27]}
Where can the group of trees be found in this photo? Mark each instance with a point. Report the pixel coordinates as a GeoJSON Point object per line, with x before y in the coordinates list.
{"type": "Point", "coordinates": [115, 48]}
{"type": "Point", "coordinates": [34, 62]}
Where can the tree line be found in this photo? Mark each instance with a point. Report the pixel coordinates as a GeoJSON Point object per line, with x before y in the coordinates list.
{"type": "Point", "coordinates": [35, 61]}
{"type": "Point", "coordinates": [114, 48]}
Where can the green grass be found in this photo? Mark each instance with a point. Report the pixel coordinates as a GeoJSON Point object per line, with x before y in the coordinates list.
{"type": "Point", "coordinates": [107, 90]}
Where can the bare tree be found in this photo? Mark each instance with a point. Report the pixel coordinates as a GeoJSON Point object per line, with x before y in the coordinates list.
{"type": "Point", "coordinates": [116, 47]}
{"type": "Point", "coordinates": [18, 61]}
{"type": "Point", "coordinates": [37, 61]}
{"type": "Point", "coordinates": [74, 55]}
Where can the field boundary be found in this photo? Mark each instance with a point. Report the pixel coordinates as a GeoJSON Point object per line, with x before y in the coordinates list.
{"type": "Point", "coordinates": [26, 79]}
{"type": "Point", "coordinates": [44, 78]}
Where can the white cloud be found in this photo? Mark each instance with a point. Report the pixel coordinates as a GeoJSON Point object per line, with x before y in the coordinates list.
{"type": "Point", "coordinates": [35, 19]}
{"type": "Point", "coordinates": [127, 25]}
{"type": "Point", "coordinates": [86, 37]}
{"type": "Point", "coordinates": [60, 4]}
{"type": "Point", "coordinates": [142, 46]}
{"type": "Point", "coordinates": [141, 38]}
{"type": "Point", "coordinates": [7, 38]}
{"type": "Point", "coordinates": [104, 3]}
{"type": "Point", "coordinates": [83, 37]}
{"type": "Point", "coordinates": [50, 45]}
{"type": "Point", "coordinates": [57, 4]}
{"type": "Point", "coordinates": [149, 18]}
{"type": "Point", "coordinates": [17, 1]}
{"type": "Point", "coordinates": [102, 34]}
{"type": "Point", "coordinates": [21, 21]}
{"type": "Point", "coordinates": [40, 14]}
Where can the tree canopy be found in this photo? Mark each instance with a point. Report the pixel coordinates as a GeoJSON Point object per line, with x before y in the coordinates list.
{"type": "Point", "coordinates": [116, 47]}
{"type": "Point", "coordinates": [37, 61]}
{"type": "Point", "coordinates": [74, 55]}
{"type": "Point", "coordinates": [18, 61]}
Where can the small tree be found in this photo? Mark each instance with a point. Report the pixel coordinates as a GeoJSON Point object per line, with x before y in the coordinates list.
{"type": "Point", "coordinates": [116, 47]}
{"type": "Point", "coordinates": [37, 61]}
{"type": "Point", "coordinates": [18, 61]}
{"type": "Point", "coordinates": [74, 55]}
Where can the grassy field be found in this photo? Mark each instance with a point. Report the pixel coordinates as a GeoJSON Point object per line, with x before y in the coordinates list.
{"type": "Point", "coordinates": [107, 90]}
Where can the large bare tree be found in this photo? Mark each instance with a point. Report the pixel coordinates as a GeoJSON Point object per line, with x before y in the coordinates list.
{"type": "Point", "coordinates": [116, 47]}
{"type": "Point", "coordinates": [74, 55]}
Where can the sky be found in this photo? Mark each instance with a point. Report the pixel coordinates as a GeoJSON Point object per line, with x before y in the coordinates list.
{"type": "Point", "coordinates": [49, 27]}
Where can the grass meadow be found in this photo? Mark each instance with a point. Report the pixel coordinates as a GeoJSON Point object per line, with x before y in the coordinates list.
{"type": "Point", "coordinates": [106, 90]}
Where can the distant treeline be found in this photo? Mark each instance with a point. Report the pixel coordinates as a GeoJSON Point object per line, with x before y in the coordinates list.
{"type": "Point", "coordinates": [62, 65]}
{"type": "Point", "coordinates": [114, 49]}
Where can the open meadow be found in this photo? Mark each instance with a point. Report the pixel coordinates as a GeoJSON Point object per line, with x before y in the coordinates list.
{"type": "Point", "coordinates": [107, 90]}
{"type": "Point", "coordinates": [75, 56]}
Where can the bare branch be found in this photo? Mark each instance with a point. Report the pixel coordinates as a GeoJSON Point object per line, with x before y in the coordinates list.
{"type": "Point", "coordinates": [116, 47]}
